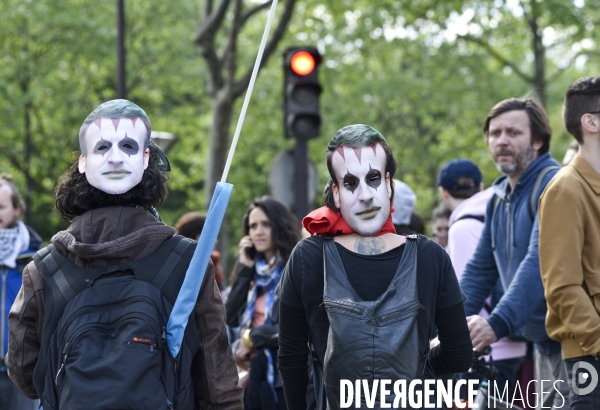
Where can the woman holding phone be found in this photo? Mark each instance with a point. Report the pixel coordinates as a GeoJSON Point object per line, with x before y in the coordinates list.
{"type": "Point", "coordinates": [270, 234]}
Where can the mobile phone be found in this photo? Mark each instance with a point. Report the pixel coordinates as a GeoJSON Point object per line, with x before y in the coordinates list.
{"type": "Point", "coordinates": [251, 252]}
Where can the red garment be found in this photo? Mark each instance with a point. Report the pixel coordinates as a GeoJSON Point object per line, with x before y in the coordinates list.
{"type": "Point", "coordinates": [215, 257]}
{"type": "Point", "coordinates": [325, 221]}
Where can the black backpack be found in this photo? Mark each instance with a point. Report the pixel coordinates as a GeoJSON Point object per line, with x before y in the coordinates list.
{"type": "Point", "coordinates": [104, 340]}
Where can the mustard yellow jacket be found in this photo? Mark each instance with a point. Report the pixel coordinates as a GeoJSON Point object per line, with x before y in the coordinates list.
{"type": "Point", "coordinates": [569, 249]}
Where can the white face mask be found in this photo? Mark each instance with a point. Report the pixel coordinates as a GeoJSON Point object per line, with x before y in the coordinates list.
{"type": "Point", "coordinates": [363, 192]}
{"type": "Point", "coordinates": [115, 158]}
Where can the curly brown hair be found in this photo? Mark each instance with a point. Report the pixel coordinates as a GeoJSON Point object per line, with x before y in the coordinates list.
{"type": "Point", "coordinates": [74, 195]}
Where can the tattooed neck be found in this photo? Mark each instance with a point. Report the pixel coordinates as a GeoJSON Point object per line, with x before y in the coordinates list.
{"type": "Point", "coordinates": [367, 245]}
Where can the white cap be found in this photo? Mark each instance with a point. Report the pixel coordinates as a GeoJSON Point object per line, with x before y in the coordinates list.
{"type": "Point", "coordinates": [404, 203]}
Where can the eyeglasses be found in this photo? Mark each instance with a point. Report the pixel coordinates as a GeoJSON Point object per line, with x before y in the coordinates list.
{"type": "Point", "coordinates": [593, 112]}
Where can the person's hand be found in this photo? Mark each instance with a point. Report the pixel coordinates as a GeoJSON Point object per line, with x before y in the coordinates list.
{"type": "Point", "coordinates": [242, 356]}
{"type": "Point", "coordinates": [245, 245]}
{"type": "Point", "coordinates": [482, 334]}
{"type": "Point", "coordinates": [434, 342]}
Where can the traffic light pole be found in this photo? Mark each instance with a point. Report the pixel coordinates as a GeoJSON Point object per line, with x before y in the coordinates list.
{"type": "Point", "coordinates": [121, 91]}
{"type": "Point", "coordinates": [301, 178]}
{"type": "Point", "coordinates": [301, 119]}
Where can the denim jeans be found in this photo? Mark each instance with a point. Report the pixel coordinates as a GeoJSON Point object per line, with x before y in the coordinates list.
{"type": "Point", "coordinates": [550, 367]}
{"type": "Point", "coordinates": [587, 365]}
{"type": "Point", "coordinates": [507, 371]}
{"type": "Point", "coordinates": [12, 398]}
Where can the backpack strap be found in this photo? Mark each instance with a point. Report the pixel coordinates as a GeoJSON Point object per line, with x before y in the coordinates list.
{"type": "Point", "coordinates": [53, 273]}
{"type": "Point", "coordinates": [60, 283]}
{"type": "Point", "coordinates": [60, 288]}
{"type": "Point", "coordinates": [496, 202]}
{"type": "Point", "coordinates": [165, 271]}
{"type": "Point", "coordinates": [536, 186]}
{"type": "Point", "coordinates": [41, 254]}
{"type": "Point", "coordinates": [480, 218]}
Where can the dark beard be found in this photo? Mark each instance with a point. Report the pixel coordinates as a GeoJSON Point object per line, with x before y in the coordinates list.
{"type": "Point", "coordinates": [520, 163]}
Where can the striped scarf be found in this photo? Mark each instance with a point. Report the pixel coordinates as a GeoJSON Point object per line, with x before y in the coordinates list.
{"type": "Point", "coordinates": [266, 277]}
{"type": "Point", "coordinates": [13, 241]}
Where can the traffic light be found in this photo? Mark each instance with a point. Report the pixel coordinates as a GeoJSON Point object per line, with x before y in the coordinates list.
{"type": "Point", "coordinates": [301, 93]}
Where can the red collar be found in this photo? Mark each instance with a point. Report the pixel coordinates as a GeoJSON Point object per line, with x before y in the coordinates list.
{"type": "Point", "coordinates": [325, 221]}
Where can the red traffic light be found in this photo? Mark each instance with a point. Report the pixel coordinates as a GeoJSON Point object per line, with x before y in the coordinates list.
{"type": "Point", "coordinates": [302, 63]}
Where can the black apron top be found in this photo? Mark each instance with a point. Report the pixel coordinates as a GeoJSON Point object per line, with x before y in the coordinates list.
{"type": "Point", "coordinates": [370, 340]}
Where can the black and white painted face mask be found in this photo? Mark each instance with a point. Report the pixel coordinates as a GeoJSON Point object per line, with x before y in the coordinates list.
{"type": "Point", "coordinates": [115, 157]}
{"type": "Point", "coordinates": [363, 194]}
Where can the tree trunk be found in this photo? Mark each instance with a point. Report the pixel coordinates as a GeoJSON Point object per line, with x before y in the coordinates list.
{"type": "Point", "coordinates": [28, 148]}
{"type": "Point", "coordinates": [539, 58]}
{"type": "Point", "coordinates": [224, 88]}
{"type": "Point", "coordinates": [222, 108]}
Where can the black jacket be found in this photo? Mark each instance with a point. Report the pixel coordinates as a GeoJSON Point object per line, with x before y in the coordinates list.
{"type": "Point", "coordinates": [265, 335]}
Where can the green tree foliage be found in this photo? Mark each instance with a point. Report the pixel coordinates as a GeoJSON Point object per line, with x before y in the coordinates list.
{"type": "Point", "coordinates": [426, 72]}
{"type": "Point", "coordinates": [58, 63]}
{"type": "Point", "coordinates": [423, 72]}
{"type": "Point", "coordinates": [48, 76]}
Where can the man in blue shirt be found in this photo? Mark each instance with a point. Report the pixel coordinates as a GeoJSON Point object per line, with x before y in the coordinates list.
{"type": "Point", "coordinates": [518, 134]}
